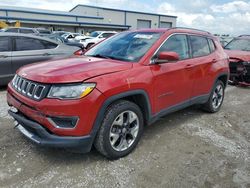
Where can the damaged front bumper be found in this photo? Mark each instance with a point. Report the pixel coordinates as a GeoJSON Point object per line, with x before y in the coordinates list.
{"type": "Point", "coordinates": [239, 73]}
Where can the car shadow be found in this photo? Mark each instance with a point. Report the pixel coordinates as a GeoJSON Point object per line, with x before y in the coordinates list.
{"type": "Point", "coordinates": [3, 88]}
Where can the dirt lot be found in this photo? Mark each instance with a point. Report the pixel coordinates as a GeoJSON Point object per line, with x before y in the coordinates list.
{"type": "Point", "coordinates": [185, 149]}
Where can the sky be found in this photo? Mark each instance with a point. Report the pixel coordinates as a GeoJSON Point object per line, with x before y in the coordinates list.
{"type": "Point", "coordinates": [220, 17]}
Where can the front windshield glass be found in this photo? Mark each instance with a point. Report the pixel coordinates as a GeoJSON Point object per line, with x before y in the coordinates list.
{"type": "Point", "coordinates": [126, 46]}
{"type": "Point", "coordinates": [239, 44]}
{"type": "Point", "coordinates": [94, 34]}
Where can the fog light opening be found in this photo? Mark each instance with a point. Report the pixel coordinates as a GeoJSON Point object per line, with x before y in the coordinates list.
{"type": "Point", "coordinates": [64, 122]}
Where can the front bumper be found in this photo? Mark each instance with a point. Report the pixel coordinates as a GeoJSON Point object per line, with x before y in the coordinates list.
{"type": "Point", "coordinates": [39, 135]}
{"type": "Point", "coordinates": [239, 76]}
{"type": "Point", "coordinates": [42, 111]}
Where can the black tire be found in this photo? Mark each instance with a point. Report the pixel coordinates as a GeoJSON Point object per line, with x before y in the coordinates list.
{"type": "Point", "coordinates": [89, 45]}
{"type": "Point", "coordinates": [210, 106]}
{"type": "Point", "coordinates": [113, 113]}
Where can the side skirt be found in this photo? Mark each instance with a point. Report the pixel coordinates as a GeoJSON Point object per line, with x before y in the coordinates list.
{"type": "Point", "coordinates": [196, 100]}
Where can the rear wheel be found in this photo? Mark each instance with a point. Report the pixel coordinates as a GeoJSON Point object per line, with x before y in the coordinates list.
{"type": "Point", "coordinates": [89, 45]}
{"type": "Point", "coordinates": [120, 131]}
{"type": "Point", "coordinates": [216, 98]}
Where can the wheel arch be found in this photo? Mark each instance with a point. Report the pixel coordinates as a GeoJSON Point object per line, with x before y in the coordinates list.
{"type": "Point", "coordinates": [224, 78]}
{"type": "Point", "coordinates": [139, 97]}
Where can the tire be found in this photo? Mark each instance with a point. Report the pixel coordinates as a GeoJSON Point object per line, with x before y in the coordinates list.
{"type": "Point", "coordinates": [120, 131]}
{"type": "Point", "coordinates": [89, 45]}
{"type": "Point", "coordinates": [216, 98]}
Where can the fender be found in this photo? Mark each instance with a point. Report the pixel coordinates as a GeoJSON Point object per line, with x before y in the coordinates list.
{"type": "Point", "coordinates": [114, 98]}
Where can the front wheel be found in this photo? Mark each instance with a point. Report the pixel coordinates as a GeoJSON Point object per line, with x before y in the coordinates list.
{"type": "Point", "coordinates": [216, 98]}
{"type": "Point", "coordinates": [120, 131]}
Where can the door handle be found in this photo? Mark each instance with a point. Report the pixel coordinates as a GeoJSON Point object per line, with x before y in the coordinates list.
{"type": "Point", "coordinates": [189, 66]}
{"type": "Point", "coordinates": [214, 61]}
{"type": "Point", "coordinates": [3, 56]}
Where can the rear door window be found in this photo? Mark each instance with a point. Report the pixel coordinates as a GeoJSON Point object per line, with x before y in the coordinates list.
{"type": "Point", "coordinates": [26, 43]}
{"type": "Point", "coordinates": [4, 44]}
{"type": "Point", "coordinates": [177, 43]}
{"type": "Point", "coordinates": [199, 46]}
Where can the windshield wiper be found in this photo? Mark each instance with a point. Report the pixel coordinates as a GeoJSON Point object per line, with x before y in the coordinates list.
{"type": "Point", "coordinates": [101, 56]}
{"type": "Point", "coordinates": [108, 57]}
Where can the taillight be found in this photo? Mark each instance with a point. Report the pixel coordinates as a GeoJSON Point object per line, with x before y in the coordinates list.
{"type": "Point", "coordinates": [79, 52]}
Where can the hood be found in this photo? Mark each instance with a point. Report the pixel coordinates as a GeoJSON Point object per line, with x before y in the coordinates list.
{"type": "Point", "coordinates": [238, 55]}
{"type": "Point", "coordinates": [74, 69]}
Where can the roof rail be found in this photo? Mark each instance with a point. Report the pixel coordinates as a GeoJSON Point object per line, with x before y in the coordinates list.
{"type": "Point", "coordinates": [190, 29]}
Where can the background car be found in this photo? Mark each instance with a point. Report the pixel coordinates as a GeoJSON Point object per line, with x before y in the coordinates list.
{"type": "Point", "coordinates": [59, 33]}
{"type": "Point", "coordinates": [65, 41]}
{"type": "Point", "coordinates": [95, 37]}
{"type": "Point", "coordinates": [43, 31]}
{"type": "Point", "coordinates": [238, 51]}
{"type": "Point", "coordinates": [17, 50]}
{"type": "Point", "coordinates": [70, 36]}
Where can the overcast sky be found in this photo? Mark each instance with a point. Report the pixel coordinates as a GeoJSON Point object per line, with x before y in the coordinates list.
{"type": "Point", "coordinates": [223, 17]}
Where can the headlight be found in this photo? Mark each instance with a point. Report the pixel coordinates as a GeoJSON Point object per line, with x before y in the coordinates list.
{"type": "Point", "coordinates": [72, 91]}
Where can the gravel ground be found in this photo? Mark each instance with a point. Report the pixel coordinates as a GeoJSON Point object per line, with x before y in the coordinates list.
{"type": "Point", "coordinates": [188, 148]}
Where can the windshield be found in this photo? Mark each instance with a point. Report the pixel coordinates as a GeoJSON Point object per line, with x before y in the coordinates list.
{"type": "Point", "coordinates": [94, 34]}
{"type": "Point", "coordinates": [126, 46]}
{"type": "Point", "coordinates": [239, 44]}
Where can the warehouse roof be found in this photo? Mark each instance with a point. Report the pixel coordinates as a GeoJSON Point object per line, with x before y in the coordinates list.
{"type": "Point", "coordinates": [121, 10]}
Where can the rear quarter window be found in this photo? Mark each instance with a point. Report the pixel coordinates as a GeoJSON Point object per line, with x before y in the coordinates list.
{"type": "Point", "coordinates": [211, 45]}
{"type": "Point", "coordinates": [199, 46]}
{"type": "Point", "coordinates": [49, 45]}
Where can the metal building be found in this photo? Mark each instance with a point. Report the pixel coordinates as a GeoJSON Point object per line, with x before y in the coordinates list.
{"type": "Point", "coordinates": [85, 18]}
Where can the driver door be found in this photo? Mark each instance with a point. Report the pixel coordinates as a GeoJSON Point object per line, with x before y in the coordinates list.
{"type": "Point", "coordinates": [173, 81]}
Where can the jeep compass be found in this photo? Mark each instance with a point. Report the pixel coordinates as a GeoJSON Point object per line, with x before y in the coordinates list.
{"type": "Point", "coordinates": [105, 98]}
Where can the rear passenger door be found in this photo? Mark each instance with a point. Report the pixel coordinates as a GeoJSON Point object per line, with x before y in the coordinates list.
{"type": "Point", "coordinates": [5, 58]}
{"type": "Point", "coordinates": [30, 50]}
{"type": "Point", "coordinates": [202, 62]}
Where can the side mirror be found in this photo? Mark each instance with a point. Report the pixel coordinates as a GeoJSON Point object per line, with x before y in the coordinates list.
{"type": "Point", "coordinates": [165, 57]}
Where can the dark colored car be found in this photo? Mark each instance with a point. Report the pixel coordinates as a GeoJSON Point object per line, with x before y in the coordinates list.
{"type": "Point", "coordinates": [17, 50]}
{"type": "Point", "coordinates": [238, 51]}
{"type": "Point", "coordinates": [122, 84]}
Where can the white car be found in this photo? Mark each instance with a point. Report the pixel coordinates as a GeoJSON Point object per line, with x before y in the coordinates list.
{"type": "Point", "coordinates": [70, 36]}
{"type": "Point", "coordinates": [95, 37]}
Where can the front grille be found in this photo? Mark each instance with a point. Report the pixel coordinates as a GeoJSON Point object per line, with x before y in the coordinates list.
{"type": "Point", "coordinates": [29, 88]}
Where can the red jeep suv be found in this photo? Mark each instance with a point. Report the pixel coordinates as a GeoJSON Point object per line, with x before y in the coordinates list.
{"type": "Point", "coordinates": [128, 81]}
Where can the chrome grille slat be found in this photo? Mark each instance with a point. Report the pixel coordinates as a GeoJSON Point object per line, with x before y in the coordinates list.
{"type": "Point", "coordinates": [28, 88]}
